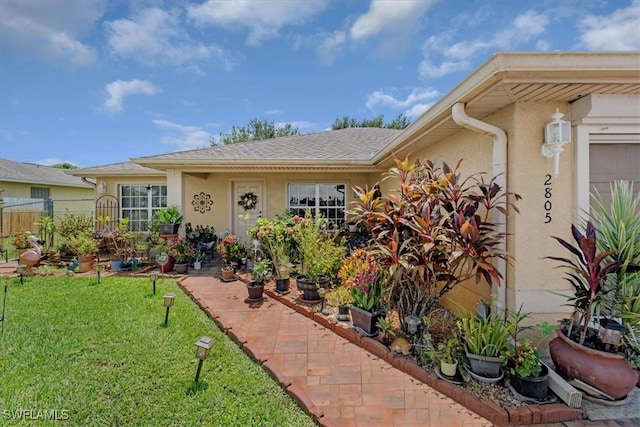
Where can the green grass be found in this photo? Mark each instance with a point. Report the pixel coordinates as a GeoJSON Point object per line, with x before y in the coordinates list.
{"type": "Point", "coordinates": [100, 355]}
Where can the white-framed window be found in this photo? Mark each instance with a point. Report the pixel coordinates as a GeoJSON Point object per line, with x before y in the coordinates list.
{"type": "Point", "coordinates": [327, 200]}
{"type": "Point", "coordinates": [140, 202]}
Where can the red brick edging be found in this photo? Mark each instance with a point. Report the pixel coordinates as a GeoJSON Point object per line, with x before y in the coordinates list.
{"type": "Point", "coordinates": [500, 416]}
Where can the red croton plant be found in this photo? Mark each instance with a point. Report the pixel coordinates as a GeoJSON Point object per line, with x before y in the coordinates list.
{"type": "Point", "coordinates": [433, 233]}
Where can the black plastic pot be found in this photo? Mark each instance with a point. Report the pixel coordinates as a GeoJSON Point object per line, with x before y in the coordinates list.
{"type": "Point", "coordinates": [282, 285]}
{"type": "Point", "coordinates": [532, 387]}
{"type": "Point", "coordinates": [310, 288]}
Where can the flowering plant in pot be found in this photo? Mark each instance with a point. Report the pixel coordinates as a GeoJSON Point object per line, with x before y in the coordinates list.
{"type": "Point", "coordinates": [231, 250]}
{"type": "Point", "coordinates": [366, 287]}
{"type": "Point", "coordinates": [19, 241]}
{"type": "Point", "coordinates": [277, 239]}
{"type": "Point", "coordinates": [574, 352]}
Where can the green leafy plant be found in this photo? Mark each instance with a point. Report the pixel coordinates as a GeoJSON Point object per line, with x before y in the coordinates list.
{"type": "Point", "coordinates": [170, 215]}
{"type": "Point", "coordinates": [321, 257]}
{"type": "Point", "coordinates": [82, 244]}
{"type": "Point", "coordinates": [118, 237]}
{"type": "Point", "coordinates": [20, 240]}
{"type": "Point", "coordinates": [488, 335]}
{"type": "Point", "coordinates": [433, 233]}
{"type": "Point", "coordinates": [448, 349]}
{"type": "Point", "coordinates": [182, 252]}
{"type": "Point", "coordinates": [261, 271]}
{"type": "Point", "coordinates": [338, 296]}
{"type": "Point", "coordinates": [522, 357]}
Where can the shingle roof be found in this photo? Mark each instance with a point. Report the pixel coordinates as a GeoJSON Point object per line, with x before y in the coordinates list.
{"type": "Point", "coordinates": [129, 168]}
{"type": "Point", "coordinates": [11, 171]}
{"type": "Point", "coordinates": [351, 144]}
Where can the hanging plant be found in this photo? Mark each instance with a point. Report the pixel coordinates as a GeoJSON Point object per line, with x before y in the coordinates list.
{"type": "Point", "coordinates": [248, 201]}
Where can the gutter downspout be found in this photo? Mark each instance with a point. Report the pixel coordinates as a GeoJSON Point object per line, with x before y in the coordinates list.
{"type": "Point", "coordinates": [500, 171]}
{"type": "Point", "coordinates": [86, 181]}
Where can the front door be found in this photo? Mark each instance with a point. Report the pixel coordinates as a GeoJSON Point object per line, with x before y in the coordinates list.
{"type": "Point", "coordinates": [248, 204]}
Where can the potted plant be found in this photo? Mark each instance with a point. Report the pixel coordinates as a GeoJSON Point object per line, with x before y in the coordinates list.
{"type": "Point", "coordinates": [484, 339]}
{"type": "Point", "coordinates": [366, 290]}
{"type": "Point", "coordinates": [341, 298]}
{"type": "Point", "coordinates": [84, 246]}
{"type": "Point", "coordinates": [182, 253]}
{"type": "Point", "coordinates": [575, 352]}
{"type": "Point", "coordinates": [198, 256]}
{"type": "Point", "coordinates": [276, 237]}
{"type": "Point", "coordinates": [319, 254]}
{"type": "Point", "coordinates": [528, 376]}
{"type": "Point", "coordinates": [618, 228]}
{"type": "Point", "coordinates": [448, 356]}
{"type": "Point", "coordinates": [169, 219]}
{"type": "Point", "coordinates": [385, 331]}
{"type": "Point", "coordinates": [259, 275]}
{"type": "Point", "coordinates": [232, 251]}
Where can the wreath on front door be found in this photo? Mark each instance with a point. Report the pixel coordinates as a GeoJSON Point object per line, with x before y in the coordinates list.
{"type": "Point", "coordinates": [248, 201]}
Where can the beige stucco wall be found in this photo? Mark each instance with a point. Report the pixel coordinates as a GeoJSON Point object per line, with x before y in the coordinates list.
{"type": "Point", "coordinates": [219, 185]}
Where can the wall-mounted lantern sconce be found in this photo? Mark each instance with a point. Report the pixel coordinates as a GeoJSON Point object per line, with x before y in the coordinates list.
{"type": "Point", "coordinates": [102, 187]}
{"type": "Point", "coordinates": [203, 348]}
{"type": "Point", "coordinates": [556, 134]}
{"type": "Point", "coordinates": [168, 302]}
{"type": "Point", "coordinates": [153, 277]}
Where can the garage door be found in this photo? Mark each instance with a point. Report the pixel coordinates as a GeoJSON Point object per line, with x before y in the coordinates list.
{"type": "Point", "coordinates": [611, 160]}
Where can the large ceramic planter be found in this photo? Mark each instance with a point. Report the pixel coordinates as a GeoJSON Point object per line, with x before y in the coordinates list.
{"type": "Point", "coordinates": [365, 320]}
{"type": "Point", "coordinates": [309, 288]}
{"type": "Point", "coordinates": [608, 372]}
{"type": "Point", "coordinates": [168, 266]}
{"type": "Point", "coordinates": [532, 387]}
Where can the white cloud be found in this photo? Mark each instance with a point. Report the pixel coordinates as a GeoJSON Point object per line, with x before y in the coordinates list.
{"type": "Point", "coordinates": [378, 97]}
{"type": "Point", "coordinates": [184, 137]}
{"type": "Point", "coordinates": [155, 37]}
{"type": "Point", "coordinates": [330, 47]}
{"type": "Point", "coordinates": [50, 31]}
{"type": "Point", "coordinates": [417, 110]}
{"type": "Point", "coordinates": [274, 112]}
{"type": "Point", "coordinates": [119, 89]}
{"type": "Point", "coordinates": [384, 15]}
{"type": "Point", "coordinates": [618, 31]}
{"type": "Point", "coordinates": [456, 57]}
{"type": "Point", "coordinates": [263, 19]}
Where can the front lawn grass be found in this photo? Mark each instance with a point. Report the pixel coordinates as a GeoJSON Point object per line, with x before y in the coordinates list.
{"type": "Point", "coordinates": [100, 355]}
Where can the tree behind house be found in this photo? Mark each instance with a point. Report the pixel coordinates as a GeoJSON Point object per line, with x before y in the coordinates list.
{"type": "Point", "coordinates": [257, 129]}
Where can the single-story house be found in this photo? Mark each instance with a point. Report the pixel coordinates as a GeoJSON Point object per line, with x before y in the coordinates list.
{"type": "Point", "coordinates": [25, 188]}
{"type": "Point", "coordinates": [495, 120]}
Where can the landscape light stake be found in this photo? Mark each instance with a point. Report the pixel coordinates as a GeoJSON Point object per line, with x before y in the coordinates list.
{"type": "Point", "coordinates": [168, 302]}
{"type": "Point", "coordinates": [21, 269]}
{"type": "Point", "coordinates": [4, 304]}
{"type": "Point", "coordinates": [99, 267]}
{"type": "Point", "coordinates": [203, 348]}
{"type": "Point", "coordinates": [153, 277]}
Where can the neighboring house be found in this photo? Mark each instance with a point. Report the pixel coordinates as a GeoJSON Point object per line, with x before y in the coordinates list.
{"type": "Point", "coordinates": [26, 185]}
{"type": "Point", "coordinates": [494, 120]}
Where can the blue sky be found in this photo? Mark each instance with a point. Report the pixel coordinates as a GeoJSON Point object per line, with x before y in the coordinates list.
{"type": "Point", "coordinates": [94, 82]}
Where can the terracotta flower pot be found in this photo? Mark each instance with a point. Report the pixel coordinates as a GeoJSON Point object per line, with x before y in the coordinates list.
{"type": "Point", "coordinates": [608, 372]}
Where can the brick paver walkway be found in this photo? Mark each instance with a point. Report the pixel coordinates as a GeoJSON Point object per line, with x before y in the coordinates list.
{"type": "Point", "coordinates": [328, 374]}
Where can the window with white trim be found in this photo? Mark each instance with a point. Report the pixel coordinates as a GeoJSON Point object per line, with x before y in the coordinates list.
{"type": "Point", "coordinates": [327, 200]}
{"type": "Point", "coordinates": [140, 202]}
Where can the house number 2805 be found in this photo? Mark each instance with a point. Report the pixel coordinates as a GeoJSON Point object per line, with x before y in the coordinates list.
{"type": "Point", "coordinates": [547, 197]}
